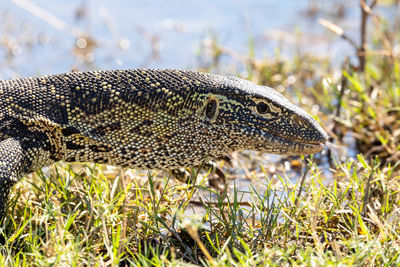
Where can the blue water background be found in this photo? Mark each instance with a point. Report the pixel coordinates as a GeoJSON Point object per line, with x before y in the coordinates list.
{"type": "Point", "coordinates": [177, 29]}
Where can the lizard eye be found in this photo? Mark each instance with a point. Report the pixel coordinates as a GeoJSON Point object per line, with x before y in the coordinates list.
{"type": "Point", "coordinates": [211, 109]}
{"type": "Point", "coordinates": [262, 108]}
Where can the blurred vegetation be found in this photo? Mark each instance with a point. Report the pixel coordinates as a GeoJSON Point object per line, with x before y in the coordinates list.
{"type": "Point", "coordinates": [342, 210]}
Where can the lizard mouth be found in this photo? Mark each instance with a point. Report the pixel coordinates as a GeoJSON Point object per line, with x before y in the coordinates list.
{"type": "Point", "coordinates": [273, 143]}
{"type": "Point", "coordinates": [285, 146]}
{"type": "Point", "coordinates": [314, 147]}
{"type": "Point", "coordinates": [298, 147]}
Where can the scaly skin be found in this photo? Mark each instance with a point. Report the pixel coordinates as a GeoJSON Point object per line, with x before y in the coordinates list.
{"type": "Point", "coordinates": [145, 119]}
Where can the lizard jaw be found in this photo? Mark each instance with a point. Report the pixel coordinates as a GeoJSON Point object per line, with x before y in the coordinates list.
{"type": "Point", "coordinates": [304, 148]}
{"type": "Point", "coordinates": [311, 148]}
{"type": "Point", "coordinates": [280, 145]}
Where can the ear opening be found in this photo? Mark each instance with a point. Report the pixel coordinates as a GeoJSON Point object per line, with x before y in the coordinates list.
{"type": "Point", "coordinates": [211, 109]}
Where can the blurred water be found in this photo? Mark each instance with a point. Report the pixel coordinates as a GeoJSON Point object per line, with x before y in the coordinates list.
{"type": "Point", "coordinates": [157, 33]}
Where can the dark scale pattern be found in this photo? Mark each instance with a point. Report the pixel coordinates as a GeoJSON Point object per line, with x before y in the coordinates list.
{"type": "Point", "coordinates": [151, 119]}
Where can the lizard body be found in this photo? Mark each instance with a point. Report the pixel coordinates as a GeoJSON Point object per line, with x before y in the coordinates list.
{"type": "Point", "coordinates": [145, 119]}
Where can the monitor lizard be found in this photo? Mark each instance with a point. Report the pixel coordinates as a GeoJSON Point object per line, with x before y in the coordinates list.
{"type": "Point", "coordinates": [143, 119]}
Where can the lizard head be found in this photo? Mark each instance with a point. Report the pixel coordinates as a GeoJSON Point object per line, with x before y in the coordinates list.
{"type": "Point", "coordinates": [259, 118]}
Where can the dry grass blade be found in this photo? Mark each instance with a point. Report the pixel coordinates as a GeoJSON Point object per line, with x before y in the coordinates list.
{"type": "Point", "coordinates": [49, 18]}
{"type": "Point", "coordinates": [337, 30]}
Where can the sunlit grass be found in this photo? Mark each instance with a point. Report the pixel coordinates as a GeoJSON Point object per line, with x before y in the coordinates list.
{"type": "Point", "coordinates": [70, 217]}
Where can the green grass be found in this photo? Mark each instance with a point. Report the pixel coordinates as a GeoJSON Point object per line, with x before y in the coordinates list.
{"type": "Point", "coordinates": [85, 218]}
